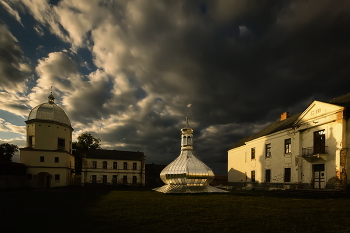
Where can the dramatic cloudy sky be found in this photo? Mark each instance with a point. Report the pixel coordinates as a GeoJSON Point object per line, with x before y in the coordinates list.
{"type": "Point", "coordinates": [126, 71]}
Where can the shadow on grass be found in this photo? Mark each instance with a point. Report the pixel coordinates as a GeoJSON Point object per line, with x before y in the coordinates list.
{"type": "Point", "coordinates": [53, 210]}
{"type": "Point", "coordinates": [138, 209]}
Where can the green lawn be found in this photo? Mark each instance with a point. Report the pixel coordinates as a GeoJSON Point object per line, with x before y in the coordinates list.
{"type": "Point", "coordinates": [142, 210]}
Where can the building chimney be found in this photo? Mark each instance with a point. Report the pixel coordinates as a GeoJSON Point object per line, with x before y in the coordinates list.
{"type": "Point", "coordinates": [284, 116]}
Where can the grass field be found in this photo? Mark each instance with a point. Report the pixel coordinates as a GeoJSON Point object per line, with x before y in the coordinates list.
{"type": "Point", "coordinates": [143, 210]}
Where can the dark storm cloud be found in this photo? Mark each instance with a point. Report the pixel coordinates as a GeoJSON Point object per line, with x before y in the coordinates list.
{"type": "Point", "coordinates": [248, 67]}
{"type": "Point", "coordinates": [239, 63]}
{"type": "Point", "coordinates": [14, 68]}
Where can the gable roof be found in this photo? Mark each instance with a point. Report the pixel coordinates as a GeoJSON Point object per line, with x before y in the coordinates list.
{"type": "Point", "coordinates": [114, 154]}
{"type": "Point", "coordinates": [272, 128]}
{"type": "Point", "coordinates": [343, 101]}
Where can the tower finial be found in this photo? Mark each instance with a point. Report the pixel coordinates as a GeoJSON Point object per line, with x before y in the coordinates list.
{"type": "Point", "coordinates": [51, 98]}
{"type": "Point", "coordinates": [187, 125]}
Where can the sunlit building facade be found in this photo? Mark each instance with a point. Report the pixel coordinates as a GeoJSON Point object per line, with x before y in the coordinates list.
{"type": "Point", "coordinates": [187, 174]}
{"type": "Point", "coordinates": [308, 150]}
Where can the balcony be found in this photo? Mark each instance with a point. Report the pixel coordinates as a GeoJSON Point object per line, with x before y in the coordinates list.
{"type": "Point", "coordinates": [313, 153]}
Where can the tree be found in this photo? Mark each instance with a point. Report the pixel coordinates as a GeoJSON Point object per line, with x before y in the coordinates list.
{"type": "Point", "coordinates": [7, 151]}
{"type": "Point", "coordinates": [85, 142]}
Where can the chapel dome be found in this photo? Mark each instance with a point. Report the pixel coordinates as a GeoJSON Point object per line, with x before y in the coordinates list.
{"type": "Point", "coordinates": [50, 112]}
{"type": "Point", "coordinates": [187, 174]}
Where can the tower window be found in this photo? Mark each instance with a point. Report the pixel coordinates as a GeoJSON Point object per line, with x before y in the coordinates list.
{"type": "Point", "coordinates": [60, 143]}
{"type": "Point", "coordinates": [42, 159]}
{"type": "Point", "coordinates": [57, 177]}
{"type": "Point", "coordinates": [57, 159]}
{"type": "Point", "coordinates": [30, 141]}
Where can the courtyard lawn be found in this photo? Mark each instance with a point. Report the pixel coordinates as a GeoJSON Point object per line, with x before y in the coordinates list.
{"type": "Point", "coordinates": [143, 210]}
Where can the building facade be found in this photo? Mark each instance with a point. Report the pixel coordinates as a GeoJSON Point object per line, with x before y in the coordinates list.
{"type": "Point", "coordinates": [47, 154]}
{"type": "Point", "coordinates": [308, 150]}
{"type": "Point", "coordinates": [113, 167]}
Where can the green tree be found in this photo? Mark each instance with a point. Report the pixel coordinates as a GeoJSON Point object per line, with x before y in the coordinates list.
{"type": "Point", "coordinates": [7, 151]}
{"type": "Point", "coordinates": [85, 142]}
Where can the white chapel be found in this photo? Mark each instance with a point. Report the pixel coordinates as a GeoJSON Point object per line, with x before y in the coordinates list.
{"type": "Point", "coordinates": [48, 152]}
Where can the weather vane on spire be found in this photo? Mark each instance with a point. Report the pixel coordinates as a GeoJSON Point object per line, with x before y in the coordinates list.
{"type": "Point", "coordinates": [188, 106]}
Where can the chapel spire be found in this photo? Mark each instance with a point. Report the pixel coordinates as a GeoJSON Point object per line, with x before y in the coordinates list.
{"type": "Point", "coordinates": [187, 137]}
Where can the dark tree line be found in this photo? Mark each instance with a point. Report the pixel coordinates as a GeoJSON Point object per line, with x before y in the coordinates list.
{"type": "Point", "coordinates": [7, 151]}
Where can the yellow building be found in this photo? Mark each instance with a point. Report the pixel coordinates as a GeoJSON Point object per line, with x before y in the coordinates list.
{"type": "Point", "coordinates": [49, 146]}
{"type": "Point", "coordinates": [113, 167]}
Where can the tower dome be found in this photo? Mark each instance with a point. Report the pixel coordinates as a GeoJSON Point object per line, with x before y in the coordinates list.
{"type": "Point", "coordinates": [49, 112]}
{"type": "Point", "coordinates": [187, 174]}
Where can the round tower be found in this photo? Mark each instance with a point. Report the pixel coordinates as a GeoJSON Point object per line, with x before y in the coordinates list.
{"type": "Point", "coordinates": [47, 154]}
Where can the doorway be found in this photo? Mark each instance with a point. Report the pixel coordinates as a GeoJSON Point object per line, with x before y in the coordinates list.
{"type": "Point", "coordinates": [44, 180]}
{"type": "Point", "coordinates": [319, 176]}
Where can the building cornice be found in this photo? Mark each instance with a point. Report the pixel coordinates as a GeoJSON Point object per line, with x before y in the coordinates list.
{"type": "Point", "coordinates": [41, 150]}
{"type": "Point", "coordinates": [48, 121]}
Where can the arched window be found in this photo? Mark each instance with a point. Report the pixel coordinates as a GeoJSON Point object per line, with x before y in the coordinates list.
{"type": "Point", "coordinates": [189, 140]}
{"type": "Point", "coordinates": [184, 140]}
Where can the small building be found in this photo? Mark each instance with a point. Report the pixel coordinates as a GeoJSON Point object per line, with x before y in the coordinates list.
{"type": "Point", "coordinates": [307, 150]}
{"type": "Point", "coordinates": [152, 174]}
{"type": "Point", "coordinates": [113, 167]}
{"type": "Point", "coordinates": [219, 180]}
{"type": "Point", "coordinates": [12, 175]}
{"type": "Point", "coordinates": [47, 154]}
